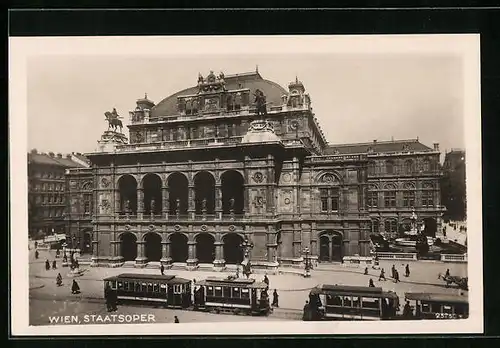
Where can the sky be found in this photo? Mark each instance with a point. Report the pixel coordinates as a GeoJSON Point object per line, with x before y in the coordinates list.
{"type": "Point", "coordinates": [357, 97]}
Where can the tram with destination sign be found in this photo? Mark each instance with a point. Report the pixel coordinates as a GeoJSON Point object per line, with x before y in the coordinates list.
{"type": "Point", "coordinates": [165, 290]}
{"type": "Point", "coordinates": [236, 295]}
{"type": "Point", "coordinates": [341, 302]}
{"type": "Point", "coordinates": [437, 306]}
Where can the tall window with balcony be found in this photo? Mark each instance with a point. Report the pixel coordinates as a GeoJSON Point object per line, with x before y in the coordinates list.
{"type": "Point", "coordinates": [372, 198]}
{"type": "Point", "coordinates": [87, 203]}
{"type": "Point", "coordinates": [408, 167]}
{"type": "Point", "coordinates": [408, 199]}
{"type": "Point", "coordinates": [427, 196]}
{"type": "Point", "coordinates": [390, 196]}
{"type": "Point", "coordinates": [330, 199]}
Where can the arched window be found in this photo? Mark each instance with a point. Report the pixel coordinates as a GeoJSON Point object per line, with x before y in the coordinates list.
{"type": "Point", "coordinates": [372, 197]}
{"type": "Point", "coordinates": [426, 166]}
{"type": "Point", "coordinates": [427, 195]}
{"type": "Point", "coordinates": [371, 167]}
{"type": "Point", "coordinates": [330, 199]}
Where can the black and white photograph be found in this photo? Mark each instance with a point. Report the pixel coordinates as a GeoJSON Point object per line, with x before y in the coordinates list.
{"type": "Point", "coordinates": [252, 184]}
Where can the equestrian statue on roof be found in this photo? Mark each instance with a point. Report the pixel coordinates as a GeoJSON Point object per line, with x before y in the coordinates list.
{"type": "Point", "coordinates": [114, 121]}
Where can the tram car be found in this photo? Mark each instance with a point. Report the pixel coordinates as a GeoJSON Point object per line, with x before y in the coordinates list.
{"type": "Point", "coordinates": [341, 302]}
{"type": "Point", "coordinates": [437, 306]}
{"type": "Point", "coordinates": [236, 295]}
{"type": "Point", "coordinates": [165, 290]}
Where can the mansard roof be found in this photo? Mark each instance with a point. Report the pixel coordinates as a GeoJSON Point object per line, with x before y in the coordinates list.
{"type": "Point", "coordinates": [377, 147]}
{"type": "Point", "coordinates": [51, 159]}
{"type": "Point", "coordinates": [252, 81]}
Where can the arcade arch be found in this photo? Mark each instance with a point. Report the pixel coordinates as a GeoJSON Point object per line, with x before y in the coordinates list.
{"type": "Point", "coordinates": [151, 185]}
{"type": "Point", "coordinates": [233, 253]}
{"type": "Point", "coordinates": [179, 247]}
{"type": "Point", "coordinates": [204, 188]}
{"type": "Point", "coordinates": [152, 247]}
{"type": "Point", "coordinates": [127, 187]}
{"type": "Point", "coordinates": [233, 190]}
{"type": "Point", "coordinates": [128, 246]}
{"type": "Point", "coordinates": [178, 193]}
{"type": "Point", "coordinates": [205, 248]}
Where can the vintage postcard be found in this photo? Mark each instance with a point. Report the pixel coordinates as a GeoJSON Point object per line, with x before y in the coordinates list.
{"type": "Point", "coordinates": [299, 184]}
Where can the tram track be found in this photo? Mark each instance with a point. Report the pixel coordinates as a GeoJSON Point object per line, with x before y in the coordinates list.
{"type": "Point", "coordinates": [281, 313]}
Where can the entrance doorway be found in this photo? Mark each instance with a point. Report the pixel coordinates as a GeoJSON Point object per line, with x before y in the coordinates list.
{"type": "Point", "coordinates": [430, 227]}
{"type": "Point", "coordinates": [152, 247]}
{"type": "Point", "coordinates": [87, 243]}
{"type": "Point", "coordinates": [179, 247]}
{"type": "Point", "coordinates": [128, 246]}
{"type": "Point", "coordinates": [205, 248]}
{"type": "Point", "coordinates": [233, 253]}
{"type": "Point", "coordinates": [330, 247]}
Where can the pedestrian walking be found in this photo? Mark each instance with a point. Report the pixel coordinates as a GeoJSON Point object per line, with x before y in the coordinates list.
{"type": "Point", "coordinates": [366, 271]}
{"type": "Point", "coordinates": [47, 265]}
{"type": "Point", "coordinates": [306, 315]}
{"type": "Point", "coordinates": [396, 276]}
{"type": "Point", "coordinates": [393, 271]}
{"type": "Point", "coordinates": [75, 288]}
{"type": "Point", "coordinates": [407, 270]}
{"type": "Point", "coordinates": [108, 298]}
{"type": "Point", "coordinates": [162, 269]}
{"type": "Point", "coordinates": [176, 320]}
{"type": "Point", "coordinates": [36, 244]}
{"type": "Point", "coordinates": [370, 283]}
{"type": "Point", "coordinates": [54, 265]}
{"type": "Point", "coordinates": [447, 274]}
{"type": "Point", "coordinates": [59, 279]}
{"type": "Point", "coordinates": [36, 254]}
{"type": "Point", "coordinates": [275, 298]}
{"type": "Point", "coordinates": [266, 280]}
{"type": "Point", "coordinates": [382, 275]}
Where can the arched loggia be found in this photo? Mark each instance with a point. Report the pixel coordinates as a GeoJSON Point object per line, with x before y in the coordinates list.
{"type": "Point", "coordinates": [128, 246]}
{"type": "Point", "coordinates": [233, 190]}
{"type": "Point", "coordinates": [127, 186]}
{"type": "Point", "coordinates": [204, 188]}
{"type": "Point", "coordinates": [152, 194]}
{"type": "Point", "coordinates": [179, 247]}
{"type": "Point", "coordinates": [152, 246]}
{"type": "Point", "coordinates": [233, 252]}
{"type": "Point", "coordinates": [178, 193]}
{"type": "Point", "coordinates": [205, 248]}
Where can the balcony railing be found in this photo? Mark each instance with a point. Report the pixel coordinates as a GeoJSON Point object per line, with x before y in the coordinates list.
{"type": "Point", "coordinates": [179, 144]}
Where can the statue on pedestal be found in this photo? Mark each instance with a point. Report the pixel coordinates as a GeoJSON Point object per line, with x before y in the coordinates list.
{"type": "Point", "coordinates": [177, 206]}
{"type": "Point", "coordinates": [152, 206]}
{"type": "Point", "coordinates": [114, 121]}
{"type": "Point", "coordinates": [231, 205]}
{"type": "Point", "coordinates": [260, 101]}
{"type": "Point", "coordinates": [204, 206]}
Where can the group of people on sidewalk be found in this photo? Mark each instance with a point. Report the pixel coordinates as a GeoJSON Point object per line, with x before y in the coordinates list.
{"type": "Point", "coordinates": [394, 275]}
{"type": "Point", "coordinates": [275, 302]}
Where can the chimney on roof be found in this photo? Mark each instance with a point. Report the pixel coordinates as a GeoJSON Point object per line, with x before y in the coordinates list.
{"type": "Point", "coordinates": [436, 146]}
{"type": "Point", "coordinates": [68, 156]}
{"type": "Point", "coordinates": [59, 155]}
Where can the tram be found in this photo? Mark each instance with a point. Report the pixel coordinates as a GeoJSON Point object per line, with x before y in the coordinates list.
{"type": "Point", "coordinates": [437, 306]}
{"type": "Point", "coordinates": [340, 302]}
{"type": "Point", "coordinates": [166, 290]}
{"type": "Point", "coordinates": [236, 295]}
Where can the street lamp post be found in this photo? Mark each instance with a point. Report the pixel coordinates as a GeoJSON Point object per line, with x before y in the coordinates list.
{"type": "Point", "coordinates": [307, 263]}
{"type": "Point", "coordinates": [246, 246]}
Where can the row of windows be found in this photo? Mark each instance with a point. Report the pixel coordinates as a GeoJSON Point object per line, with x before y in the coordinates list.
{"type": "Point", "coordinates": [50, 213]}
{"type": "Point", "coordinates": [50, 199]}
{"type": "Point", "coordinates": [232, 292]}
{"type": "Point", "coordinates": [409, 167]}
{"type": "Point", "coordinates": [372, 200]}
{"type": "Point", "coordinates": [49, 175]}
{"type": "Point", "coordinates": [146, 287]}
{"type": "Point", "coordinates": [47, 186]}
{"type": "Point", "coordinates": [188, 133]}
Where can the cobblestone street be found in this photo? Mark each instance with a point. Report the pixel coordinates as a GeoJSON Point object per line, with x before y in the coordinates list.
{"type": "Point", "coordinates": [291, 286]}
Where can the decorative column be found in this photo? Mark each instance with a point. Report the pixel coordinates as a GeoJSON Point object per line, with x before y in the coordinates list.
{"type": "Point", "coordinates": [116, 203]}
{"type": "Point", "coordinates": [191, 206]}
{"type": "Point", "coordinates": [166, 260]}
{"type": "Point", "coordinates": [219, 262]}
{"type": "Point", "coordinates": [116, 258]}
{"type": "Point", "coordinates": [164, 205]}
{"type": "Point", "coordinates": [192, 261]}
{"type": "Point", "coordinates": [218, 201]}
{"type": "Point", "coordinates": [140, 202]}
{"type": "Point", "coordinates": [95, 245]}
{"type": "Point", "coordinates": [272, 246]}
{"type": "Point", "coordinates": [140, 260]}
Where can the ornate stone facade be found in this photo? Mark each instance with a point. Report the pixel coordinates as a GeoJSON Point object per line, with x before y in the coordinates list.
{"type": "Point", "coordinates": [206, 170]}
